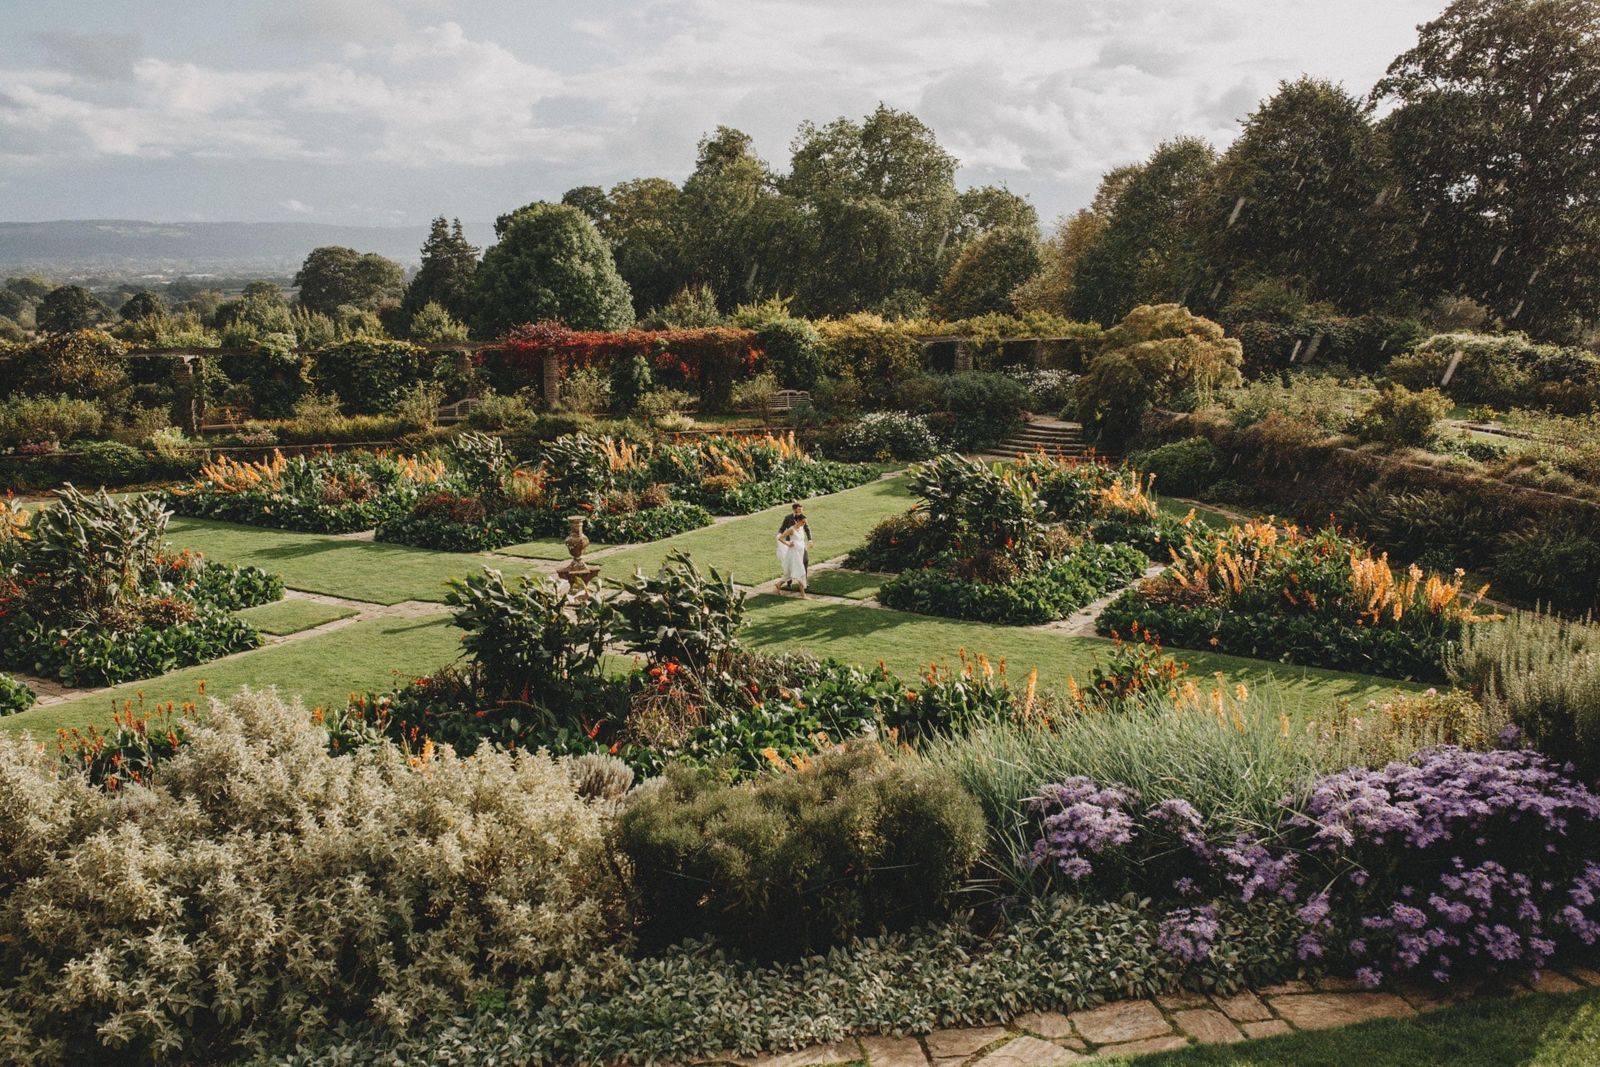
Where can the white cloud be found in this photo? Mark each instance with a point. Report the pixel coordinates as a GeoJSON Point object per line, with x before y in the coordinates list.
{"type": "Point", "coordinates": [1042, 94]}
{"type": "Point", "coordinates": [298, 207]}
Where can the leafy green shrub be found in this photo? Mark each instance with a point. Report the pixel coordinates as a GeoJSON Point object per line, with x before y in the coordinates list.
{"type": "Point", "coordinates": [110, 463]}
{"type": "Point", "coordinates": [647, 524]}
{"type": "Point", "coordinates": [1543, 674]}
{"type": "Point", "coordinates": [987, 407]}
{"type": "Point", "coordinates": [386, 913]}
{"type": "Point", "coordinates": [898, 542]}
{"type": "Point", "coordinates": [885, 435]}
{"type": "Point", "coordinates": [1548, 562]}
{"type": "Point", "coordinates": [852, 843]}
{"type": "Point", "coordinates": [794, 350]}
{"type": "Point", "coordinates": [679, 615]}
{"type": "Point", "coordinates": [1152, 357]}
{"type": "Point", "coordinates": [1184, 467]}
{"type": "Point", "coordinates": [368, 373]}
{"type": "Point", "coordinates": [631, 379]}
{"type": "Point", "coordinates": [30, 419]}
{"type": "Point", "coordinates": [15, 696]}
{"type": "Point", "coordinates": [1399, 417]}
{"type": "Point", "coordinates": [1044, 593]}
{"type": "Point", "coordinates": [452, 522]}
{"type": "Point", "coordinates": [1503, 370]}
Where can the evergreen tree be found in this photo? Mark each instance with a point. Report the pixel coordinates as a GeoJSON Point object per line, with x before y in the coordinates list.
{"type": "Point", "coordinates": [445, 277]}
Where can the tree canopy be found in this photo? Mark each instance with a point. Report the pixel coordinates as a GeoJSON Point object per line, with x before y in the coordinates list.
{"type": "Point", "coordinates": [333, 275]}
{"type": "Point", "coordinates": [550, 264]}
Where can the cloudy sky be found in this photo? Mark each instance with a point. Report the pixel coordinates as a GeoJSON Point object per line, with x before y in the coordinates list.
{"type": "Point", "coordinates": [391, 111]}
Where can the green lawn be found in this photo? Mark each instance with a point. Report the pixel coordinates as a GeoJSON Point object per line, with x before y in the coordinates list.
{"type": "Point", "coordinates": [746, 547]}
{"type": "Point", "coordinates": [322, 670]}
{"type": "Point", "coordinates": [1531, 1031]}
{"type": "Point", "coordinates": [284, 617]}
{"type": "Point", "coordinates": [337, 566]}
{"type": "Point", "coordinates": [839, 581]}
{"type": "Point", "coordinates": [906, 643]}
{"type": "Point", "coordinates": [543, 548]}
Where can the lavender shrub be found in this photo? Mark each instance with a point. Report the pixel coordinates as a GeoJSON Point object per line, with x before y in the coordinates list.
{"type": "Point", "coordinates": [1484, 860]}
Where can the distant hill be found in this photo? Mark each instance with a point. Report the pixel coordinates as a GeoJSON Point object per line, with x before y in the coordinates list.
{"type": "Point", "coordinates": [121, 245]}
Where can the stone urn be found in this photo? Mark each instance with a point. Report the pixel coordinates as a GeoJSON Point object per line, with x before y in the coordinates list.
{"type": "Point", "coordinates": [578, 574]}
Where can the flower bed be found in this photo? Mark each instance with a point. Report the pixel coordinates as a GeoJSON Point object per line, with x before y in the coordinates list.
{"type": "Point", "coordinates": [629, 492]}
{"type": "Point", "coordinates": [91, 595]}
{"type": "Point", "coordinates": [1051, 591]}
{"type": "Point", "coordinates": [1025, 542]}
{"type": "Point", "coordinates": [1318, 599]}
{"type": "Point", "coordinates": [330, 493]}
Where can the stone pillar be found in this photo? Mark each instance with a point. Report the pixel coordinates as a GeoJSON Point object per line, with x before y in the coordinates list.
{"type": "Point", "coordinates": [185, 396]}
{"type": "Point", "coordinates": [552, 380]}
{"type": "Point", "coordinates": [963, 361]}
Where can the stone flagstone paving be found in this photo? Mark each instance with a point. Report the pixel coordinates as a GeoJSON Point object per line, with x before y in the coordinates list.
{"type": "Point", "coordinates": [1158, 1024]}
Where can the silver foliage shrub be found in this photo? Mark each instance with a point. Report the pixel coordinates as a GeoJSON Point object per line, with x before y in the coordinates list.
{"type": "Point", "coordinates": [263, 890]}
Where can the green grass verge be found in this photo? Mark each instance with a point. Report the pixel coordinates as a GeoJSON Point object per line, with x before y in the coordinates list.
{"type": "Point", "coordinates": [337, 566]}
{"type": "Point", "coordinates": [1203, 515]}
{"type": "Point", "coordinates": [284, 617]}
{"type": "Point", "coordinates": [746, 547]}
{"type": "Point", "coordinates": [839, 581]}
{"type": "Point", "coordinates": [543, 548]}
{"type": "Point", "coordinates": [906, 643]}
{"type": "Point", "coordinates": [321, 670]}
{"type": "Point", "coordinates": [1531, 1031]}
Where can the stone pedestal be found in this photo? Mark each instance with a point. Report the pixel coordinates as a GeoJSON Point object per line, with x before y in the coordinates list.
{"type": "Point", "coordinates": [577, 574]}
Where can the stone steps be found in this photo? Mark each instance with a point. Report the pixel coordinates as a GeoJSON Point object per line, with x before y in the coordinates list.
{"type": "Point", "coordinates": [1065, 438]}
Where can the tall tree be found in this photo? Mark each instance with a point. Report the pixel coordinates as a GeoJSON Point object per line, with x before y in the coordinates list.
{"type": "Point", "coordinates": [1049, 289]}
{"type": "Point", "coordinates": [333, 275]}
{"type": "Point", "coordinates": [1496, 135]}
{"type": "Point", "coordinates": [643, 223]}
{"type": "Point", "coordinates": [721, 207]}
{"type": "Point", "coordinates": [1147, 252]}
{"type": "Point", "coordinates": [66, 308]}
{"type": "Point", "coordinates": [142, 305]}
{"type": "Point", "coordinates": [445, 276]}
{"type": "Point", "coordinates": [1308, 194]}
{"type": "Point", "coordinates": [549, 264]}
{"type": "Point", "coordinates": [989, 268]}
{"type": "Point", "coordinates": [881, 209]}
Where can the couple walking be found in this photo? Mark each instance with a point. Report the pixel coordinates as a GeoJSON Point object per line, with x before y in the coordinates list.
{"type": "Point", "coordinates": [794, 548]}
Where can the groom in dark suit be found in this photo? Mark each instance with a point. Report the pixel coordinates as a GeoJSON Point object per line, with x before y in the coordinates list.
{"type": "Point", "coordinates": [797, 511]}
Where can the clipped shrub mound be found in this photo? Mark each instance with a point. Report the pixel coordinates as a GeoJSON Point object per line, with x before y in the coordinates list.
{"type": "Point", "coordinates": [1317, 599]}
{"type": "Point", "coordinates": [91, 593]}
{"type": "Point", "coordinates": [849, 843]}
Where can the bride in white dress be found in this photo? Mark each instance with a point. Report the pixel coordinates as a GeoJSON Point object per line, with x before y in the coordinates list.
{"type": "Point", "coordinates": [792, 556]}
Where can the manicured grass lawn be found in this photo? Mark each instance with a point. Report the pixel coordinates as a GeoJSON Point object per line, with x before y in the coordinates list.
{"type": "Point", "coordinates": [746, 547]}
{"type": "Point", "coordinates": [856, 585]}
{"type": "Point", "coordinates": [323, 671]}
{"type": "Point", "coordinates": [338, 566]}
{"type": "Point", "coordinates": [284, 617]}
{"type": "Point", "coordinates": [1531, 1031]}
{"type": "Point", "coordinates": [1203, 516]}
{"type": "Point", "coordinates": [544, 548]}
{"type": "Point", "coordinates": [906, 643]}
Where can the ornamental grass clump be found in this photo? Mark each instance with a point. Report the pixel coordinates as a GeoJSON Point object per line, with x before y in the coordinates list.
{"type": "Point", "coordinates": [262, 891]}
{"type": "Point", "coordinates": [1319, 599]}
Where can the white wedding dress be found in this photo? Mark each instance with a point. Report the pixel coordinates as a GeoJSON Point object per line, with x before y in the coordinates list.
{"type": "Point", "coordinates": [792, 555]}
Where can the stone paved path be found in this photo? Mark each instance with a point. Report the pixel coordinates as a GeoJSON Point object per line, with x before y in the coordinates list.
{"type": "Point", "coordinates": [1156, 1024]}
